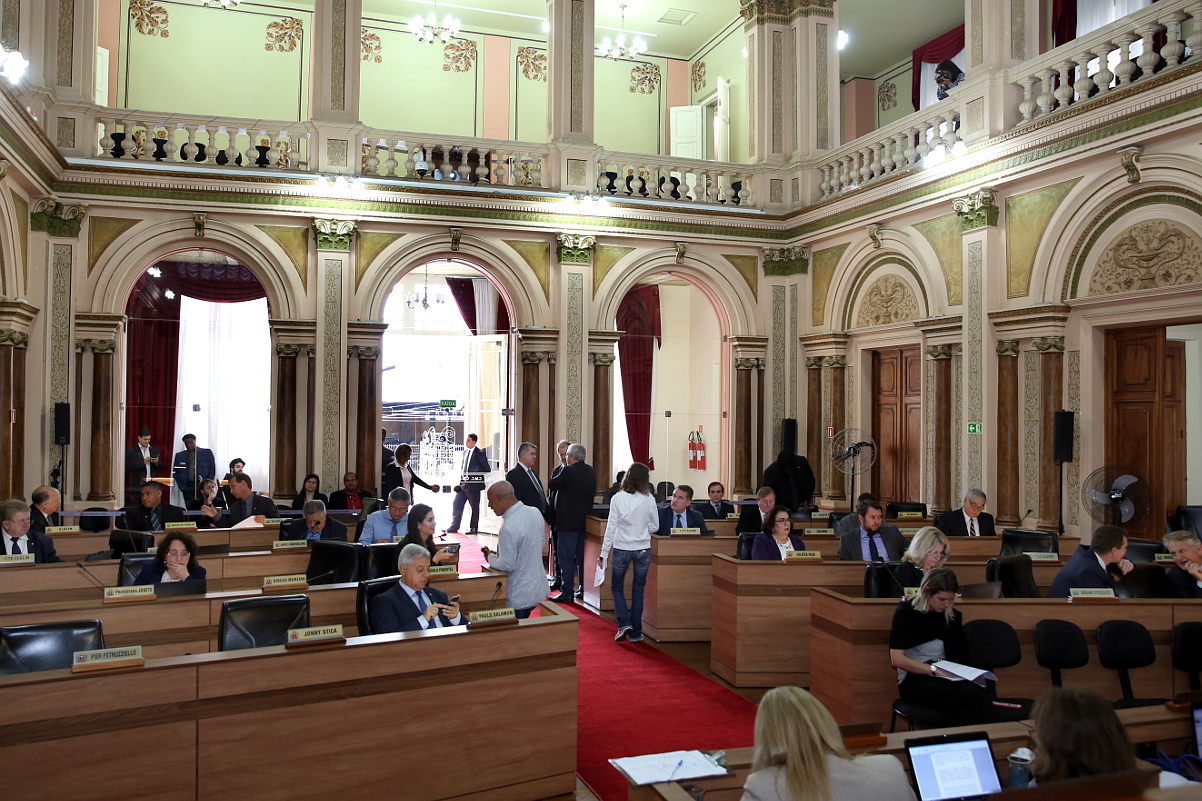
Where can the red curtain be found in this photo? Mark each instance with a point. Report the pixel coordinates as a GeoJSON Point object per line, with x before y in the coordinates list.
{"type": "Point", "coordinates": [934, 51]}
{"type": "Point", "coordinates": [1064, 21]}
{"type": "Point", "coordinates": [638, 317]}
{"type": "Point", "coordinates": [463, 290]}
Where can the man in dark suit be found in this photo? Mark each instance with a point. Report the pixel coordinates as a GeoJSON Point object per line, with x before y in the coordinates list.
{"type": "Point", "coordinates": [871, 542]}
{"type": "Point", "coordinates": [18, 539]}
{"type": "Point", "coordinates": [970, 520]}
{"type": "Point", "coordinates": [191, 466]}
{"type": "Point", "coordinates": [851, 522]}
{"type": "Point", "coordinates": [752, 517]}
{"type": "Point", "coordinates": [141, 463]}
{"type": "Point", "coordinates": [561, 448]}
{"type": "Point", "coordinates": [1091, 565]}
{"type": "Point", "coordinates": [411, 605]}
{"type": "Point", "coordinates": [246, 503]}
{"type": "Point", "coordinates": [716, 508]}
{"type": "Point", "coordinates": [678, 514]}
{"type": "Point", "coordinates": [315, 525]}
{"type": "Point", "coordinates": [43, 512]}
{"type": "Point", "coordinates": [350, 496]}
{"type": "Point", "coordinates": [1186, 575]}
{"type": "Point", "coordinates": [473, 467]}
{"type": "Point", "coordinates": [526, 486]}
{"type": "Point", "coordinates": [575, 487]}
{"type": "Point", "coordinates": [151, 514]}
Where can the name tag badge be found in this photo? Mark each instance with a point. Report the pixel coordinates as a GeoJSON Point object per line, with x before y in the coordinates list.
{"type": "Point", "coordinates": [60, 530]}
{"type": "Point", "coordinates": [19, 559]}
{"type": "Point", "coordinates": [1164, 557]}
{"type": "Point", "coordinates": [803, 556]}
{"type": "Point", "coordinates": [678, 531]}
{"type": "Point", "coordinates": [115, 595]}
{"type": "Point", "coordinates": [274, 521]}
{"type": "Point", "coordinates": [819, 531]}
{"type": "Point", "coordinates": [313, 635]}
{"type": "Point", "coordinates": [107, 659]}
{"type": "Point", "coordinates": [909, 532]}
{"type": "Point", "coordinates": [184, 524]}
{"type": "Point", "coordinates": [289, 545]}
{"type": "Point", "coordinates": [909, 592]}
{"type": "Point", "coordinates": [491, 617]}
{"type": "Point", "coordinates": [1044, 557]}
{"type": "Point", "coordinates": [294, 581]}
{"type": "Point", "coordinates": [443, 570]}
{"type": "Point", "coordinates": [1091, 594]}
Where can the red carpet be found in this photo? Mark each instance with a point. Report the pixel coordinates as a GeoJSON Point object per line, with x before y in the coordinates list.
{"type": "Point", "coordinates": [471, 558]}
{"type": "Point", "coordinates": [636, 700]}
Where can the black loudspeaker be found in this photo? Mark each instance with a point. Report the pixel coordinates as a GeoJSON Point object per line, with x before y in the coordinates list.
{"type": "Point", "coordinates": [1062, 437]}
{"type": "Point", "coordinates": [788, 435]}
{"type": "Point", "coordinates": [62, 423]}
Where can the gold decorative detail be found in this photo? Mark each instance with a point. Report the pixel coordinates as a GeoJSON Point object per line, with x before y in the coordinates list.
{"type": "Point", "coordinates": [577, 39]}
{"type": "Point", "coordinates": [149, 19]}
{"type": "Point", "coordinates": [538, 256]}
{"type": "Point", "coordinates": [284, 35]}
{"type": "Point", "coordinates": [295, 242]}
{"type": "Point", "coordinates": [66, 41]}
{"type": "Point", "coordinates": [823, 264]}
{"type": "Point", "coordinates": [748, 267]}
{"type": "Point", "coordinates": [101, 233]}
{"type": "Point", "coordinates": [778, 100]}
{"type": "Point", "coordinates": [574, 352]}
{"type": "Point", "coordinates": [604, 258]}
{"type": "Point", "coordinates": [814, 362]}
{"type": "Point", "coordinates": [945, 234]}
{"type": "Point", "coordinates": [368, 247]}
{"type": "Point", "coordinates": [938, 352]}
{"type": "Point", "coordinates": [778, 358]}
{"type": "Point", "coordinates": [1129, 156]}
{"type": "Point", "coordinates": [456, 238]}
{"type": "Point", "coordinates": [65, 133]}
{"type": "Point", "coordinates": [977, 45]}
{"type": "Point", "coordinates": [874, 233]}
{"type": "Point", "coordinates": [697, 75]}
{"type": "Point", "coordinates": [336, 150]}
{"type": "Point", "coordinates": [1006, 347]}
{"type": "Point", "coordinates": [822, 59]}
{"type": "Point", "coordinates": [1031, 409]}
{"type": "Point", "coordinates": [1148, 255]}
{"type": "Point", "coordinates": [532, 356]}
{"type": "Point", "coordinates": [372, 49]}
{"type": "Point", "coordinates": [287, 350]}
{"type": "Point", "coordinates": [681, 249]}
{"type": "Point", "coordinates": [459, 55]}
{"type": "Point", "coordinates": [644, 79]}
{"type": "Point", "coordinates": [1027, 218]}
{"type": "Point", "coordinates": [338, 55]}
{"type": "Point", "coordinates": [199, 220]}
{"type": "Point", "coordinates": [974, 117]}
{"type": "Point", "coordinates": [1048, 344]}
{"type": "Point", "coordinates": [533, 63]}
{"type": "Point", "coordinates": [888, 300]}
{"type": "Point", "coordinates": [331, 369]}
{"type": "Point", "coordinates": [886, 96]}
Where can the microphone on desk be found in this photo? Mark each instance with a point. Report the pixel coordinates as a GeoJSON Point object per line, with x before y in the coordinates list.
{"type": "Point", "coordinates": [99, 583]}
{"type": "Point", "coordinates": [329, 572]}
{"type": "Point", "coordinates": [494, 596]}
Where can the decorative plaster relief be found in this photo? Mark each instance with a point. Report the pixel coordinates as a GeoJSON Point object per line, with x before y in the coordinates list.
{"type": "Point", "coordinates": [973, 334]}
{"type": "Point", "coordinates": [285, 34]}
{"type": "Point", "coordinates": [824, 263]}
{"type": "Point", "coordinates": [331, 366]}
{"type": "Point", "coordinates": [10, 24]}
{"type": "Point", "coordinates": [1030, 481]}
{"type": "Point", "coordinates": [644, 79]}
{"type": "Point", "coordinates": [533, 63]}
{"type": "Point", "coordinates": [367, 248]}
{"type": "Point", "coordinates": [776, 189]}
{"type": "Point", "coordinates": [974, 116]}
{"type": "Point", "coordinates": [101, 233]}
{"type": "Point", "coordinates": [578, 56]}
{"type": "Point", "coordinates": [459, 55]}
{"type": "Point", "coordinates": [1027, 218]}
{"type": "Point", "coordinates": [1148, 255]}
{"type": "Point", "coordinates": [337, 53]}
{"type": "Point", "coordinates": [822, 79]}
{"type": "Point", "coordinates": [574, 248]}
{"type": "Point", "coordinates": [957, 422]}
{"type": "Point", "coordinates": [148, 19]}
{"type": "Point", "coordinates": [332, 234]}
{"type": "Point", "coordinates": [748, 267]}
{"type": "Point", "coordinates": [574, 352]}
{"type": "Point", "coordinates": [977, 36]}
{"type": "Point", "coordinates": [60, 336]}
{"type": "Point", "coordinates": [538, 256]}
{"type": "Point", "coordinates": [886, 96]}
{"type": "Point", "coordinates": [1018, 30]}
{"type": "Point", "coordinates": [295, 242]}
{"type": "Point", "coordinates": [792, 408]}
{"type": "Point", "coordinates": [786, 261]}
{"type": "Point", "coordinates": [697, 75]}
{"type": "Point", "coordinates": [336, 152]}
{"type": "Point", "coordinates": [65, 132]}
{"type": "Point", "coordinates": [604, 258]}
{"type": "Point", "coordinates": [370, 47]}
{"type": "Point", "coordinates": [888, 300]}
{"type": "Point", "coordinates": [778, 358]}
{"type": "Point", "coordinates": [576, 172]}
{"type": "Point", "coordinates": [778, 115]}
{"type": "Point", "coordinates": [66, 41]}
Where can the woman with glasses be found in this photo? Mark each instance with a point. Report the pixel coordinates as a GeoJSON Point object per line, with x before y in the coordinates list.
{"type": "Point", "coordinates": [777, 537]}
{"type": "Point", "coordinates": [928, 550]}
{"type": "Point", "coordinates": [175, 560]}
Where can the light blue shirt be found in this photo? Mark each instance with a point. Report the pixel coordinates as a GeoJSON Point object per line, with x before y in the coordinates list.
{"type": "Point", "coordinates": [379, 528]}
{"type": "Point", "coordinates": [866, 552]}
{"type": "Point", "coordinates": [422, 604]}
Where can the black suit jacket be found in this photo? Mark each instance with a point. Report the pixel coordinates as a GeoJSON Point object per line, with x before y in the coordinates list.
{"type": "Point", "coordinates": [393, 478]}
{"type": "Point", "coordinates": [477, 463]}
{"type": "Point", "coordinates": [574, 487]}
{"type": "Point", "coordinates": [526, 490]}
{"type": "Point", "coordinates": [41, 545]}
{"type": "Point", "coordinates": [707, 509]}
{"type": "Point", "coordinates": [1184, 585]}
{"type": "Point", "coordinates": [667, 518]}
{"type": "Point", "coordinates": [137, 518]}
{"type": "Point", "coordinates": [952, 524]}
{"type": "Point", "coordinates": [39, 522]}
{"type": "Point", "coordinates": [750, 519]}
{"type": "Point", "coordinates": [297, 530]}
{"type": "Point", "coordinates": [851, 549]}
{"type": "Point", "coordinates": [338, 498]}
{"type": "Point", "coordinates": [1082, 570]}
{"type": "Point", "coordinates": [135, 468]}
{"type": "Point", "coordinates": [394, 611]}
{"type": "Point", "coordinates": [260, 505]}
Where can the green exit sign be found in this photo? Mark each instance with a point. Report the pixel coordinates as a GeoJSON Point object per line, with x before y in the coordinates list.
{"type": "Point", "coordinates": [976, 428]}
{"type": "Point", "coordinates": [447, 404]}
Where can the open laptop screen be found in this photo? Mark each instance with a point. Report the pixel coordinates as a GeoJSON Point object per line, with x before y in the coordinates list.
{"type": "Point", "coordinates": [953, 766]}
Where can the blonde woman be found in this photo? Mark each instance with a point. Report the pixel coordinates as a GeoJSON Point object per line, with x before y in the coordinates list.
{"type": "Point", "coordinates": [799, 756]}
{"type": "Point", "coordinates": [928, 550]}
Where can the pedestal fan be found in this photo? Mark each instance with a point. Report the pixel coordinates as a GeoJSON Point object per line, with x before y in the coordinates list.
{"type": "Point", "coordinates": [853, 452]}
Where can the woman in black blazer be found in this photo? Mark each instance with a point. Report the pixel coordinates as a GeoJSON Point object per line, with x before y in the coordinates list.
{"type": "Point", "coordinates": [175, 560]}
{"type": "Point", "coordinates": [928, 550]}
{"type": "Point", "coordinates": [399, 474]}
{"type": "Point", "coordinates": [310, 491]}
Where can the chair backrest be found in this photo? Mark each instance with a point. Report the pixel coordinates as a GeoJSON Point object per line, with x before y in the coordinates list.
{"type": "Point", "coordinates": [834, 517]}
{"type": "Point", "coordinates": [983, 589]}
{"type": "Point", "coordinates": [879, 581]}
{"type": "Point", "coordinates": [46, 646]}
{"type": "Point", "coordinates": [992, 644]}
{"type": "Point", "coordinates": [1125, 644]}
{"type": "Point", "coordinates": [123, 541]}
{"type": "Point", "coordinates": [1187, 651]}
{"type": "Point", "coordinates": [363, 597]}
{"type": "Point", "coordinates": [746, 539]}
{"type": "Point", "coordinates": [1140, 551]}
{"type": "Point", "coordinates": [663, 491]}
{"type": "Point", "coordinates": [381, 560]}
{"type": "Point", "coordinates": [131, 565]}
{"type": "Point", "coordinates": [1144, 581]}
{"type": "Point", "coordinates": [1024, 540]}
{"type": "Point", "coordinates": [95, 525]}
{"type": "Point", "coordinates": [893, 508]}
{"type": "Point", "coordinates": [1060, 645]}
{"type": "Point", "coordinates": [1189, 518]}
{"type": "Point", "coordinates": [1016, 575]}
{"type": "Point", "coordinates": [264, 620]}
{"type": "Point", "coordinates": [370, 505]}
{"type": "Point", "coordinates": [334, 562]}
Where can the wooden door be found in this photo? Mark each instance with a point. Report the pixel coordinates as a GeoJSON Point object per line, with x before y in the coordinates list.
{"type": "Point", "coordinates": [1174, 425]}
{"type": "Point", "coordinates": [897, 424]}
{"type": "Point", "coordinates": [1135, 414]}
{"type": "Point", "coordinates": [911, 472]}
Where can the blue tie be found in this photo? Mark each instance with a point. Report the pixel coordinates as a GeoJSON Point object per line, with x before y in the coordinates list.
{"type": "Point", "coordinates": [679, 522]}
{"type": "Point", "coordinates": [313, 535]}
{"type": "Point", "coordinates": [155, 523]}
{"type": "Point", "coordinates": [393, 537]}
{"type": "Point", "coordinates": [421, 608]}
{"type": "Point", "coordinates": [16, 549]}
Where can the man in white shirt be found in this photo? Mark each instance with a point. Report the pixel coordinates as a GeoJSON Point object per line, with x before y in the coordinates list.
{"type": "Point", "coordinates": [519, 549]}
{"type": "Point", "coordinates": [412, 605]}
{"type": "Point", "coordinates": [970, 520]}
{"type": "Point", "coordinates": [18, 539]}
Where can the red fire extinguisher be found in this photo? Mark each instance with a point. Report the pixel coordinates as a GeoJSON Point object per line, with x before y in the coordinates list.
{"type": "Point", "coordinates": [693, 450]}
{"type": "Point", "coordinates": [700, 450]}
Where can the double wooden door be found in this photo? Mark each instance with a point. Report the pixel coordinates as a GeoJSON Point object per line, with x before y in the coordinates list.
{"type": "Point", "coordinates": [897, 424]}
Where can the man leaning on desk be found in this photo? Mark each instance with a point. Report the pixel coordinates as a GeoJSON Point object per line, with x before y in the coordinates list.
{"type": "Point", "coordinates": [246, 503]}
{"type": "Point", "coordinates": [411, 605]}
{"type": "Point", "coordinates": [315, 525]}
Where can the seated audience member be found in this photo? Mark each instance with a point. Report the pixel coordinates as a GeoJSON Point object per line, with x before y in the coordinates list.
{"type": "Point", "coordinates": [777, 537]}
{"type": "Point", "coordinates": [614, 488]}
{"type": "Point", "coordinates": [43, 512]}
{"type": "Point", "coordinates": [680, 513]}
{"type": "Point", "coordinates": [752, 517]}
{"type": "Point", "coordinates": [152, 514]}
{"type": "Point", "coordinates": [411, 605]}
{"type": "Point", "coordinates": [18, 539]}
{"type": "Point", "coordinates": [209, 503]}
{"type": "Point", "coordinates": [969, 520]}
{"type": "Point", "coordinates": [236, 466]}
{"type": "Point", "coordinates": [420, 531]}
{"type": "Point", "coordinates": [388, 524]}
{"type": "Point", "coordinates": [947, 76]}
{"type": "Point", "coordinates": [174, 560]}
{"type": "Point", "coordinates": [871, 541]}
{"type": "Point", "coordinates": [850, 522]}
{"type": "Point", "coordinates": [1077, 734]}
{"type": "Point", "coordinates": [350, 496]}
{"type": "Point", "coordinates": [315, 525]}
{"type": "Point", "coordinates": [927, 629]}
{"type": "Point", "coordinates": [1090, 565]}
{"type": "Point", "coordinates": [928, 550]}
{"type": "Point", "coordinates": [716, 508]}
{"type": "Point", "coordinates": [1186, 574]}
{"type": "Point", "coordinates": [398, 473]}
{"type": "Point", "coordinates": [246, 503]}
{"type": "Point", "coordinates": [799, 756]}
{"type": "Point", "coordinates": [310, 491]}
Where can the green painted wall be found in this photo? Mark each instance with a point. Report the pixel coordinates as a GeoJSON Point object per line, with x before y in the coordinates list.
{"type": "Point", "coordinates": [527, 95]}
{"type": "Point", "coordinates": [724, 58]}
{"type": "Point", "coordinates": [900, 77]}
{"type": "Point", "coordinates": [625, 119]}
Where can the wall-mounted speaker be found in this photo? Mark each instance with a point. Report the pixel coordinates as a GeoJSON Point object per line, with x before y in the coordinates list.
{"type": "Point", "coordinates": [62, 423]}
{"type": "Point", "coordinates": [1062, 437]}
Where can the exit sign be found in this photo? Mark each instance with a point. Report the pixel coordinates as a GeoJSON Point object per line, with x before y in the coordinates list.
{"type": "Point", "coordinates": [976, 428]}
{"type": "Point", "coordinates": [447, 404]}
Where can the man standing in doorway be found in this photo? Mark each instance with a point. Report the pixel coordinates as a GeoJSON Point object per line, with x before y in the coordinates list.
{"type": "Point", "coordinates": [474, 467]}
{"type": "Point", "coordinates": [191, 466]}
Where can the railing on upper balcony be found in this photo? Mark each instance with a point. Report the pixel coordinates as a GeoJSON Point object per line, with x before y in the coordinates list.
{"type": "Point", "coordinates": [673, 179]}
{"type": "Point", "coordinates": [179, 139]}
{"type": "Point", "coordinates": [1103, 61]}
{"type": "Point", "coordinates": [449, 159]}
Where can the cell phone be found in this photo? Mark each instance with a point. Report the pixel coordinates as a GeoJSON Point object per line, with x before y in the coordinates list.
{"type": "Point", "coordinates": [454, 599]}
{"type": "Point", "coordinates": [453, 548]}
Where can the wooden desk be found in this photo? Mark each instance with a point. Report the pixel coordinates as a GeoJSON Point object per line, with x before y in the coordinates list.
{"type": "Point", "coordinates": [271, 723]}
{"type": "Point", "coordinates": [73, 547]}
{"type": "Point", "coordinates": [857, 684]}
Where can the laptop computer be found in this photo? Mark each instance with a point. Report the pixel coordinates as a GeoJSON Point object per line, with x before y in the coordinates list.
{"type": "Point", "coordinates": [173, 588]}
{"type": "Point", "coordinates": [953, 767]}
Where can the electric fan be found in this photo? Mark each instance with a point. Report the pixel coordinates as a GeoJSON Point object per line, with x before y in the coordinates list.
{"type": "Point", "coordinates": [853, 452]}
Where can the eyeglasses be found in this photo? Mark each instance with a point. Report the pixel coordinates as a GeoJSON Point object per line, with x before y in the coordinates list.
{"type": "Point", "coordinates": [782, 520]}
{"type": "Point", "coordinates": [940, 554]}
{"type": "Point", "coordinates": [179, 554]}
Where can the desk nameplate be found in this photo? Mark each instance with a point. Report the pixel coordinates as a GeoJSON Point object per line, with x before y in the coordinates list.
{"type": "Point", "coordinates": [61, 530]}
{"type": "Point", "coordinates": [1090, 595]}
{"type": "Point", "coordinates": [803, 556]}
{"type": "Point", "coordinates": [289, 545]}
{"type": "Point", "coordinates": [107, 659]}
{"type": "Point", "coordinates": [490, 618]}
{"type": "Point", "coordinates": [120, 595]}
{"type": "Point", "coordinates": [19, 559]}
{"type": "Point", "coordinates": [315, 635]}
{"type": "Point", "coordinates": [295, 581]}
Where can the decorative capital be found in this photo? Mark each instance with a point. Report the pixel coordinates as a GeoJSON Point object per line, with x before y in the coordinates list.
{"type": "Point", "coordinates": [103, 345]}
{"type": "Point", "coordinates": [939, 352]}
{"type": "Point", "coordinates": [81, 345]}
{"type": "Point", "coordinates": [681, 249]}
{"type": "Point", "coordinates": [1049, 344]}
{"type": "Point", "coordinates": [368, 352]}
{"type": "Point", "coordinates": [3, 168]}
{"type": "Point", "coordinates": [836, 361]}
{"type": "Point", "coordinates": [574, 248]}
{"type": "Point", "coordinates": [1006, 347]}
{"type": "Point", "coordinates": [456, 237]}
{"type": "Point", "coordinates": [9, 337]}
{"type": "Point", "coordinates": [311, 351]}
{"type": "Point", "coordinates": [532, 356]}
{"type": "Point", "coordinates": [756, 12]}
{"type": "Point", "coordinates": [787, 260]}
{"type": "Point", "coordinates": [333, 234]}
{"type": "Point", "coordinates": [602, 359]}
{"type": "Point", "coordinates": [552, 357]}
{"type": "Point", "coordinates": [761, 364]}
{"type": "Point", "coordinates": [745, 364]}
{"type": "Point", "coordinates": [199, 219]}
{"type": "Point", "coordinates": [978, 210]}
{"type": "Point", "coordinates": [874, 233]}
{"type": "Point", "coordinates": [286, 350]}
{"type": "Point", "coordinates": [814, 362]}
{"type": "Point", "coordinates": [1129, 157]}
{"type": "Point", "coordinates": [50, 216]}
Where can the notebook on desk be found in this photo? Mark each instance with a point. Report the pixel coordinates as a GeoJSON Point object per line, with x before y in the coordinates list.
{"type": "Point", "coordinates": [953, 767]}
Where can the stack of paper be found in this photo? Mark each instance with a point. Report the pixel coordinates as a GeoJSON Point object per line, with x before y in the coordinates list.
{"type": "Point", "coordinates": [670, 767]}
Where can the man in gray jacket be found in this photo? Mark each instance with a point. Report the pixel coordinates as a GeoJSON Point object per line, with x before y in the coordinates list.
{"type": "Point", "coordinates": [519, 549]}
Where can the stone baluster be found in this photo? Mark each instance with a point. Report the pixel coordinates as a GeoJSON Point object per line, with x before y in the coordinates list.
{"type": "Point", "coordinates": [390, 163]}
{"type": "Point", "coordinates": [485, 167]}
{"type": "Point", "coordinates": [536, 169]}
{"type": "Point", "coordinates": [1173, 48]}
{"type": "Point", "coordinates": [845, 172]}
{"type": "Point", "coordinates": [925, 143]}
{"type": "Point", "coordinates": [881, 158]}
{"type": "Point", "coordinates": [913, 136]}
{"type": "Point", "coordinates": [231, 146]}
{"type": "Point", "coordinates": [371, 161]}
{"type": "Point", "coordinates": [1027, 106]}
{"type": "Point", "coordinates": [1149, 59]}
{"type": "Point", "coordinates": [273, 151]}
{"type": "Point", "coordinates": [411, 156]}
{"type": "Point", "coordinates": [1125, 69]}
{"type": "Point", "coordinates": [898, 152]}
{"type": "Point", "coordinates": [826, 180]}
{"type": "Point", "coordinates": [1084, 84]}
{"type": "Point", "coordinates": [252, 149]}
{"type": "Point", "coordinates": [866, 165]}
{"type": "Point", "coordinates": [1194, 40]}
{"type": "Point", "coordinates": [207, 146]}
{"type": "Point", "coordinates": [106, 138]}
{"type": "Point", "coordinates": [1064, 92]}
{"type": "Point", "coordinates": [1046, 99]}
{"type": "Point", "coordinates": [127, 145]}
{"type": "Point", "coordinates": [190, 149]}
{"type": "Point", "coordinates": [1103, 77]}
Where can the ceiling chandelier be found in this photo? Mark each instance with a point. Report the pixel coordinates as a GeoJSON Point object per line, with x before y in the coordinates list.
{"type": "Point", "coordinates": [12, 65]}
{"type": "Point", "coordinates": [413, 300]}
{"type": "Point", "coordinates": [618, 50]}
{"type": "Point", "coordinates": [219, 3]}
{"type": "Point", "coordinates": [430, 29]}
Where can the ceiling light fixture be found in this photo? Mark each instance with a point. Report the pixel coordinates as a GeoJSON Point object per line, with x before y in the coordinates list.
{"type": "Point", "coordinates": [13, 65]}
{"type": "Point", "coordinates": [429, 30]}
{"type": "Point", "coordinates": [841, 41]}
{"type": "Point", "coordinates": [617, 50]}
{"type": "Point", "coordinates": [219, 3]}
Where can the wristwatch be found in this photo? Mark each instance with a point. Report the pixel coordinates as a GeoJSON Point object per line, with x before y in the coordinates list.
{"type": "Point", "coordinates": [934, 670]}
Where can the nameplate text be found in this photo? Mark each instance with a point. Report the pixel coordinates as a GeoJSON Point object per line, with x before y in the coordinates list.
{"type": "Point", "coordinates": [107, 659]}
{"type": "Point", "coordinates": [295, 581]}
{"type": "Point", "coordinates": [1091, 594]}
{"type": "Point", "coordinates": [315, 634]}
{"type": "Point", "coordinates": [819, 531]}
{"type": "Point", "coordinates": [1044, 557]}
{"type": "Point", "coordinates": [732, 515]}
{"type": "Point", "coordinates": [909, 515]}
{"type": "Point", "coordinates": [1164, 557]}
{"type": "Point", "coordinates": [142, 592]}
{"type": "Point", "coordinates": [909, 532]}
{"type": "Point", "coordinates": [444, 570]}
{"type": "Point", "coordinates": [491, 615]}
{"type": "Point", "coordinates": [803, 556]}
{"type": "Point", "coordinates": [289, 545]}
{"type": "Point", "coordinates": [679, 531]}
{"type": "Point", "coordinates": [63, 530]}
{"type": "Point", "coordinates": [909, 592]}
{"type": "Point", "coordinates": [273, 521]}
{"type": "Point", "coordinates": [19, 559]}
{"type": "Point", "coordinates": [184, 524]}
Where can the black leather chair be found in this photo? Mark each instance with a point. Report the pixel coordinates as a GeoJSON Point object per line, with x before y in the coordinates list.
{"type": "Point", "coordinates": [363, 597]}
{"type": "Point", "coordinates": [1189, 518]}
{"type": "Point", "coordinates": [264, 620]}
{"type": "Point", "coordinates": [1141, 551]}
{"type": "Point", "coordinates": [879, 581]}
{"type": "Point", "coordinates": [914, 713]}
{"type": "Point", "coordinates": [834, 517]}
{"type": "Point", "coordinates": [95, 525]}
{"type": "Point", "coordinates": [1060, 645]}
{"type": "Point", "coordinates": [334, 562]}
{"type": "Point", "coordinates": [1016, 575]}
{"type": "Point", "coordinates": [1144, 581]}
{"type": "Point", "coordinates": [746, 539]}
{"type": "Point", "coordinates": [992, 644]}
{"type": "Point", "coordinates": [1023, 540]}
{"type": "Point", "coordinates": [123, 541]}
{"type": "Point", "coordinates": [984, 589]}
{"type": "Point", "coordinates": [1187, 651]}
{"type": "Point", "coordinates": [131, 565]}
{"type": "Point", "coordinates": [46, 646]}
{"type": "Point", "coordinates": [381, 560]}
{"type": "Point", "coordinates": [1124, 645]}
{"type": "Point", "coordinates": [893, 508]}
{"type": "Point", "coordinates": [663, 491]}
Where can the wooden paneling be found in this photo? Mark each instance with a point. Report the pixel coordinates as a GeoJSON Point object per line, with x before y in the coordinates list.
{"type": "Point", "coordinates": [897, 424]}
{"type": "Point", "coordinates": [1174, 426]}
{"type": "Point", "coordinates": [1135, 414]}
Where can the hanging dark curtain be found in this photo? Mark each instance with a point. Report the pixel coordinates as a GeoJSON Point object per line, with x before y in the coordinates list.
{"type": "Point", "coordinates": [638, 317]}
{"type": "Point", "coordinates": [1064, 21]}
{"type": "Point", "coordinates": [463, 290]}
{"type": "Point", "coordinates": [938, 49]}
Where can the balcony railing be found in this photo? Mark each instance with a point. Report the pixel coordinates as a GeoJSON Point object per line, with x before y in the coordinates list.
{"type": "Point", "coordinates": [185, 139]}
{"type": "Point", "coordinates": [634, 175]}
{"type": "Point", "coordinates": [453, 160]}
